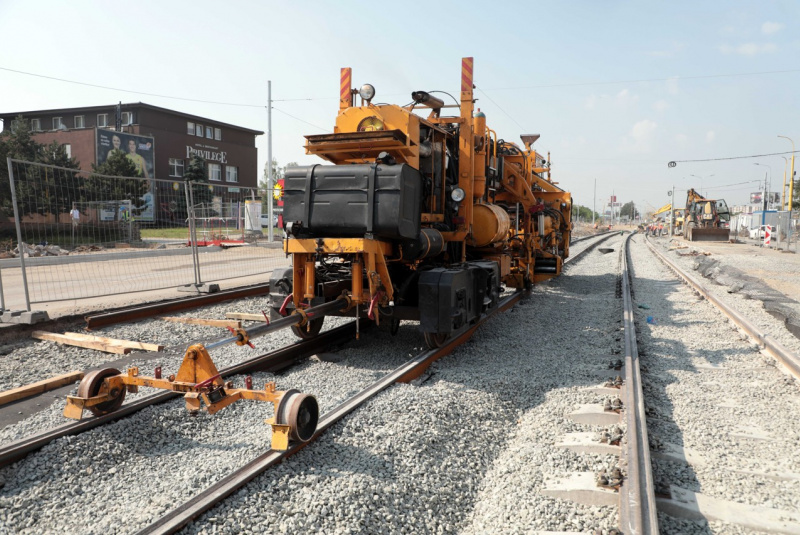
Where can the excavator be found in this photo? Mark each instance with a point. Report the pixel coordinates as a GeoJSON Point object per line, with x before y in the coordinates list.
{"type": "Point", "coordinates": [705, 219]}
{"type": "Point", "coordinates": [677, 217]}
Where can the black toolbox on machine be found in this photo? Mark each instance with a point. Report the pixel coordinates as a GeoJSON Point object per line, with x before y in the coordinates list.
{"type": "Point", "coordinates": [353, 200]}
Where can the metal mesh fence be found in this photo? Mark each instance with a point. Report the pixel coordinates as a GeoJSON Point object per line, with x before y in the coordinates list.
{"type": "Point", "coordinates": [785, 232]}
{"type": "Point", "coordinates": [77, 234]}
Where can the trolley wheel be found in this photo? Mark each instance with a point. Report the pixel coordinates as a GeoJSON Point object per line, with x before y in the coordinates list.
{"type": "Point", "coordinates": [90, 386]}
{"type": "Point", "coordinates": [310, 330]}
{"type": "Point", "coordinates": [300, 412]}
{"type": "Point", "coordinates": [436, 340]}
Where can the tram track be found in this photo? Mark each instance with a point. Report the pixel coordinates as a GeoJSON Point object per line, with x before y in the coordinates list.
{"type": "Point", "coordinates": [719, 447]}
{"type": "Point", "coordinates": [452, 342]}
{"type": "Point", "coordinates": [178, 518]}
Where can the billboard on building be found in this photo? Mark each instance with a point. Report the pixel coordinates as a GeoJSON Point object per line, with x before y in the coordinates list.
{"type": "Point", "coordinates": [772, 197]}
{"type": "Point", "coordinates": [140, 150]}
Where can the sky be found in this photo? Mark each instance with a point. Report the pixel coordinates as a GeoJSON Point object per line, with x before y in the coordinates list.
{"type": "Point", "coordinates": [617, 89]}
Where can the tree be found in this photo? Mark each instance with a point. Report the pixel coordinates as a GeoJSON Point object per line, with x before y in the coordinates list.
{"type": "Point", "coordinates": [116, 183]}
{"type": "Point", "coordinates": [583, 213]}
{"type": "Point", "coordinates": [40, 189]}
{"type": "Point", "coordinates": [628, 209]}
{"type": "Point", "coordinates": [196, 178]}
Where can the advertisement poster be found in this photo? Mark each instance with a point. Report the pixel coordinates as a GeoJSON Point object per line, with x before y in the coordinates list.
{"type": "Point", "coordinates": [141, 151]}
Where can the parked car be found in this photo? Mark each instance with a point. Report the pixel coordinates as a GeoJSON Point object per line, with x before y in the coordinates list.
{"type": "Point", "coordinates": [758, 232]}
{"type": "Point", "coordinates": [265, 220]}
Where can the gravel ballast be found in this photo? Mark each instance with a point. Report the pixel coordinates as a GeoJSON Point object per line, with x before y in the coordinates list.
{"type": "Point", "coordinates": [708, 389]}
{"type": "Point", "coordinates": [436, 457]}
{"type": "Point", "coordinates": [466, 450]}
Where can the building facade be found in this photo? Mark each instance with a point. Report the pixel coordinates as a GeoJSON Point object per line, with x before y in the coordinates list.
{"type": "Point", "coordinates": [229, 151]}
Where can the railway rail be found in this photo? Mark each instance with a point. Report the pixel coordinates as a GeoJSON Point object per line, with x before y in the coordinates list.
{"type": "Point", "coordinates": [774, 347]}
{"type": "Point", "coordinates": [212, 496]}
{"type": "Point", "coordinates": [207, 499]}
{"type": "Point", "coordinates": [274, 360]}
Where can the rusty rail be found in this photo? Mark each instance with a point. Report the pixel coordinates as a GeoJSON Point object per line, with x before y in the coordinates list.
{"type": "Point", "coordinates": [146, 311]}
{"type": "Point", "coordinates": [274, 360]}
{"type": "Point", "coordinates": [772, 346]}
{"type": "Point", "coordinates": [637, 495]}
{"type": "Point", "coordinates": [175, 520]}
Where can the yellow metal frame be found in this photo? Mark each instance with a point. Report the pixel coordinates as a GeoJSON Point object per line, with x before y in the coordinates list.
{"type": "Point", "coordinates": [197, 378]}
{"type": "Point", "coordinates": [369, 253]}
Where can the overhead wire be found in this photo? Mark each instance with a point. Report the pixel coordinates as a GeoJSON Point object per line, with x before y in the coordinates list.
{"type": "Point", "coordinates": [672, 163]}
{"type": "Point", "coordinates": [612, 82]}
{"type": "Point", "coordinates": [544, 86]}
{"type": "Point", "coordinates": [301, 120]}
{"type": "Point", "coordinates": [131, 91]}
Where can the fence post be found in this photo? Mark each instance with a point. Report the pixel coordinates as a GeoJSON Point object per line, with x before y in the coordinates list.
{"type": "Point", "coordinates": [198, 286]}
{"type": "Point", "coordinates": [26, 316]}
{"type": "Point", "coordinates": [19, 234]}
{"type": "Point", "coordinates": [2, 297]}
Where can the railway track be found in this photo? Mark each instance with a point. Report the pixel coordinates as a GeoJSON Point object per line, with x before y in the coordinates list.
{"type": "Point", "coordinates": [274, 360]}
{"type": "Point", "coordinates": [681, 504]}
{"type": "Point", "coordinates": [266, 461]}
{"type": "Point", "coordinates": [179, 517]}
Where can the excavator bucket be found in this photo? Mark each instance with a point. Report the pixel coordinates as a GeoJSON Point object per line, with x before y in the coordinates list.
{"type": "Point", "coordinates": [708, 234]}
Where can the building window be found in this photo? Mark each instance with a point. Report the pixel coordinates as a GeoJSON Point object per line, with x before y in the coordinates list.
{"type": "Point", "coordinates": [36, 125]}
{"type": "Point", "coordinates": [127, 118]}
{"type": "Point", "coordinates": [209, 132]}
{"type": "Point", "coordinates": [218, 134]}
{"type": "Point", "coordinates": [68, 150]}
{"type": "Point", "coordinates": [215, 172]}
{"type": "Point", "coordinates": [58, 124]}
{"type": "Point", "coordinates": [231, 173]}
{"type": "Point", "coordinates": [198, 130]}
{"type": "Point", "coordinates": [102, 120]}
{"type": "Point", "coordinates": [176, 166]}
{"type": "Point", "coordinates": [79, 122]}
{"type": "Point", "coordinates": [190, 128]}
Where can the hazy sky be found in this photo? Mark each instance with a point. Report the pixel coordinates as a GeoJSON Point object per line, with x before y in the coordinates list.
{"type": "Point", "coordinates": [616, 89]}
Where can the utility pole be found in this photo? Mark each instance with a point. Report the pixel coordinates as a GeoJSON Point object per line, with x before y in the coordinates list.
{"type": "Point", "coordinates": [791, 178]}
{"type": "Point", "coordinates": [764, 202]}
{"type": "Point", "coordinates": [672, 213]}
{"type": "Point", "coordinates": [594, 200]}
{"type": "Point", "coordinates": [270, 185]}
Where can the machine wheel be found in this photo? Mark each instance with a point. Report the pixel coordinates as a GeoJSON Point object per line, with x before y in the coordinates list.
{"type": "Point", "coordinates": [90, 386]}
{"type": "Point", "coordinates": [300, 412]}
{"type": "Point", "coordinates": [435, 340]}
{"type": "Point", "coordinates": [310, 330]}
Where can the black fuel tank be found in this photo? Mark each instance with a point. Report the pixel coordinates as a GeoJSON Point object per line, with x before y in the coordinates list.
{"type": "Point", "coordinates": [354, 200]}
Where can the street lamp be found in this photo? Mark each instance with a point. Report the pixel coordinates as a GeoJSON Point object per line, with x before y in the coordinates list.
{"type": "Point", "coordinates": [791, 175]}
{"type": "Point", "coordinates": [701, 181]}
{"type": "Point", "coordinates": [783, 189]}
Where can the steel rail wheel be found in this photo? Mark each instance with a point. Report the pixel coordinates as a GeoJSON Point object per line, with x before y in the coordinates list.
{"type": "Point", "coordinates": [300, 412]}
{"type": "Point", "coordinates": [92, 384]}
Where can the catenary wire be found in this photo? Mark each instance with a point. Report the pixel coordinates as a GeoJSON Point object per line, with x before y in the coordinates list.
{"type": "Point", "coordinates": [571, 84]}
{"type": "Point", "coordinates": [732, 157]}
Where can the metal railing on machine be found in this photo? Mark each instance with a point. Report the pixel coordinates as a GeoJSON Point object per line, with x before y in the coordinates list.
{"type": "Point", "coordinates": [76, 234]}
